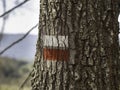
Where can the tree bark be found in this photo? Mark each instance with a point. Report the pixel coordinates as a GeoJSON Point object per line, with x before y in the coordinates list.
{"type": "Point", "coordinates": [77, 48]}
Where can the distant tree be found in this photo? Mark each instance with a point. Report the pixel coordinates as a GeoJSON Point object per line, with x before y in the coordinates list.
{"type": "Point", "coordinates": [77, 48]}
{"type": "Point", "coordinates": [4, 20]}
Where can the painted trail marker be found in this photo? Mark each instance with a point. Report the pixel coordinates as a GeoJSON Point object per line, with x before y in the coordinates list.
{"type": "Point", "coordinates": [56, 54]}
{"type": "Point", "coordinates": [55, 48]}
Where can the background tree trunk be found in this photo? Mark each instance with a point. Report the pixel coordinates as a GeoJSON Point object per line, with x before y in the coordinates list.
{"type": "Point", "coordinates": [77, 48]}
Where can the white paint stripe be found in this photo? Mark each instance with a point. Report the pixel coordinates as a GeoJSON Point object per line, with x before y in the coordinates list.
{"type": "Point", "coordinates": [55, 41]}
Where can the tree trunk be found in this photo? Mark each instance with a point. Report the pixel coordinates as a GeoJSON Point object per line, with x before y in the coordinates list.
{"type": "Point", "coordinates": [77, 48]}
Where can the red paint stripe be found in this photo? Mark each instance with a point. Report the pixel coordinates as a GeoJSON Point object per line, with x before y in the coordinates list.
{"type": "Point", "coordinates": [56, 54]}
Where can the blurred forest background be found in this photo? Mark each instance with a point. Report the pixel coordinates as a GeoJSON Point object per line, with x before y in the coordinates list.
{"type": "Point", "coordinates": [18, 37]}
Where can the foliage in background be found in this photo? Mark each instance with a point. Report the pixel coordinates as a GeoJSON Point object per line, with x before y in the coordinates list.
{"type": "Point", "coordinates": [13, 73]}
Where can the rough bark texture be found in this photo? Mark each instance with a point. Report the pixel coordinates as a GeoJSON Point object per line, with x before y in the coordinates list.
{"type": "Point", "coordinates": [92, 30]}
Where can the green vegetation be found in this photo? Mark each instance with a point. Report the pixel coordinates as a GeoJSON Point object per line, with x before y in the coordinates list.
{"type": "Point", "coordinates": [13, 73]}
{"type": "Point", "coordinates": [12, 87]}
